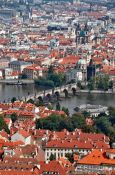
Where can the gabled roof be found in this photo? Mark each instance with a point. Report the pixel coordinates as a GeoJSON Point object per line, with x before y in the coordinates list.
{"type": "Point", "coordinates": [24, 133]}
{"type": "Point", "coordinates": [53, 166]}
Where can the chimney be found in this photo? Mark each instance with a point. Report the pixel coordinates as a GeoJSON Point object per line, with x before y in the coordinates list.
{"type": "Point", "coordinates": [35, 132]}
{"type": "Point", "coordinates": [36, 150]}
{"type": "Point", "coordinates": [47, 132]}
{"type": "Point", "coordinates": [47, 161]}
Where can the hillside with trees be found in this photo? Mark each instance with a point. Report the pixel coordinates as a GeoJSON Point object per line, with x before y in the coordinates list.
{"type": "Point", "coordinates": [102, 124]}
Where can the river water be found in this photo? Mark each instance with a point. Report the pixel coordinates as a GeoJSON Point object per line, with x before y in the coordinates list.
{"type": "Point", "coordinates": [86, 98]}
{"type": "Point", "coordinates": [8, 91]}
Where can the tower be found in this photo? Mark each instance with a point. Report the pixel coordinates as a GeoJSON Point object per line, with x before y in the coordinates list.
{"type": "Point", "coordinates": [82, 34]}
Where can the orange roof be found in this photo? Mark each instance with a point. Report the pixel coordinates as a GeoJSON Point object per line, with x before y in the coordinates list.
{"type": "Point", "coordinates": [71, 144]}
{"type": "Point", "coordinates": [112, 151]}
{"type": "Point", "coordinates": [5, 106]}
{"type": "Point", "coordinates": [33, 67]}
{"type": "Point", "coordinates": [97, 157]}
{"type": "Point", "coordinates": [70, 59]}
{"type": "Point", "coordinates": [20, 113]}
{"type": "Point", "coordinates": [53, 166]}
{"type": "Point", "coordinates": [24, 133]}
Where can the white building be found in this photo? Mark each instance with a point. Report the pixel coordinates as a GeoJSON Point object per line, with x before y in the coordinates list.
{"type": "Point", "coordinates": [23, 136]}
{"type": "Point", "coordinates": [94, 110]}
{"type": "Point", "coordinates": [18, 65]}
{"type": "Point", "coordinates": [60, 148]}
{"type": "Point", "coordinates": [78, 73]}
{"type": "Point", "coordinates": [74, 75]}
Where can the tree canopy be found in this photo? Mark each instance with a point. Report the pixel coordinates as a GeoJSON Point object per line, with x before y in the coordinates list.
{"type": "Point", "coordinates": [101, 82]}
{"type": "Point", "coordinates": [13, 117]}
{"type": "Point", "coordinates": [59, 122]}
{"type": "Point", "coordinates": [3, 125]}
{"type": "Point", "coordinates": [52, 79]}
{"type": "Point", "coordinates": [102, 124]}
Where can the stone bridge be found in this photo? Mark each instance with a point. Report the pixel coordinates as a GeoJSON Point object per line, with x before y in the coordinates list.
{"type": "Point", "coordinates": [57, 90]}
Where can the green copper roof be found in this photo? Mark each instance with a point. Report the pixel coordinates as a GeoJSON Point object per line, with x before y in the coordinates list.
{"type": "Point", "coordinates": [82, 33]}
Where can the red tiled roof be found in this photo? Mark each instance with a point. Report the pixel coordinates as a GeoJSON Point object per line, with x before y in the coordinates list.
{"type": "Point", "coordinates": [53, 166]}
{"type": "Point", "coordinates": [97, 157]}
{"type": "Point", "coordinates": [71, 144]}
{"type": "Point", "coordinates": [70, 59]}
{"type": "Point", "coordinates": [24, 133]}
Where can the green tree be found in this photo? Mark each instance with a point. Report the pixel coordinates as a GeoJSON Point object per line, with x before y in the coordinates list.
{"type": "Point", "coordinates": [3, 125]}
{"type": "Point", "coordinates": [58, 79]}
{"type": "Point", "coordinates": [78, 121]}
{"type": "Point", "coordinates": [30, 101]}
{"type": "Point", "coordinates": [50, 70]}
{"type": "Point", "coordinates": [91, 84]}
{"type": "Point", "coordinates": [55, 122]}
{"type": "Point", "coordinates": [23, 76]}
{"type": "Point", "coordinates": [89, 129]}
{"type": "Point", "coordinates": [70, 157]}
{"type": "Point", "coordinates": [52, 157]}
{"type": "Point", "coordinates": [66, 110]}
{"type": "Point", "coordinates": [13, 99]}
{"type": "Point", "coordinates": [103, 82]}
{"type": "Point", "coordinates": [86, 114]}
{"type": "Point", "coordinates": [45, 82]}
{"type": "Point", "coordinates": [79, 85]}
{"type": "Point", "coordinates": [58, 107]}
{"type": "Point", "coordinates": [110, 84]}
{"type": "Point", "coordinates": [13, 117]}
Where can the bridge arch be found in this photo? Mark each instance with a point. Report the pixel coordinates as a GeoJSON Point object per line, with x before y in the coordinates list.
{"type": "Point", "coordinates": [48, 96]}
{"type": "Point", "coordinates": [57, 94]}
{"type": "Point", "coordinates": [40, 98]}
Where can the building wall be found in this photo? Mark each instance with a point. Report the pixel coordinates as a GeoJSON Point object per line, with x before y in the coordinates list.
{"type": "Point", "coordinates": [61, 152]}
{"type": "Point", "coordinates": [17, 67]}
{"type": "Point", "coordinates": [28, 140]}
{"type": "Point", "coordinates": [17, 137]}
{"type": "Point", "coordinates": [33, 74]}
{"type": "Point", "coordinates": [74, 74]}
{"type": "Point", "coordinates": [111, 155]}
{"type": "Point", "coordinates": [84, 168]}
{"type": "Point", "coordinates": [1, 74]}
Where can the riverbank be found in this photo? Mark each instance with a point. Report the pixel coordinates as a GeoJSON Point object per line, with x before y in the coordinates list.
{"type": "Point", "coordinates": [25, 81]}
{"type": "Point", "coordinates": [95, 91]}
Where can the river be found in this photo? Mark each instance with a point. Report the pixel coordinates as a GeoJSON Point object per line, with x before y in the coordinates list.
{"type": "Point", "coordinates": [7, 92]}
{"type": "Point", "coordinates": [86, 98]}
